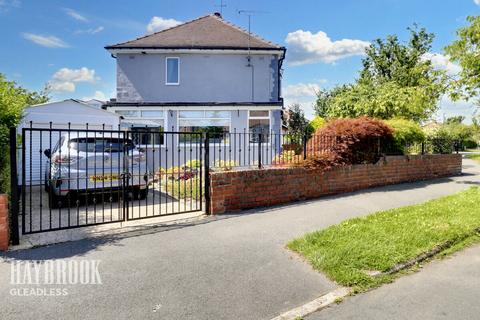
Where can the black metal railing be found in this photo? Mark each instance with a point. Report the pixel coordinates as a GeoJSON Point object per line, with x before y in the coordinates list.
{"type": "Point", "coordinates": [262, 149]}
{"type": "Point", "coordinates": [72, 177]}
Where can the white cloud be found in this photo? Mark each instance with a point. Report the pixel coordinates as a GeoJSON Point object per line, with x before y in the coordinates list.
{"type": "Point", "coordinates": [304, 94]}
{"type": "Point", "coordinates": [45, 41]}
{"type": "Point", "coordinates": [6, 5]}
{"type": "Point", "coordinates": [158, 24]}
{"type": "Point", "coordinates": [91, 30]}
{"type": "Point", "coordinates": [301, 90]}
{"type": "Point", "coordinates": [477, 2]}
{"type": "Point", "coordinates": [75, 15]}
{"type": "Point", "coordinates": [305, 47]}
{"type": "Point", "coordinates": [57, 86]}
{"type": "Point", "coordinates": [65, 78]}
{"type": "Point", "coordinates": [441, 62]}
{"type": "Point", "coordinates": [98, 95]}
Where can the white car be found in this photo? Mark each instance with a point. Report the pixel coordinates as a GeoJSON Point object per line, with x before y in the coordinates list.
{"type": "Point", "coordinates": [94, 162]}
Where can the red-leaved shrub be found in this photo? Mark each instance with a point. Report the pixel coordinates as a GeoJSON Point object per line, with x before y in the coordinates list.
{"type": "Point", "coordinates": [349, 141]}
{"type": "Point", "coordinates": [321, 160]}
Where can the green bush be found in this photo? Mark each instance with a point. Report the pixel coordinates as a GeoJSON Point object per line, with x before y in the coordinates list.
{"type": "Point", "coordinates": [470, 144]}
{"type": "Point", "coordinates": [181, 189]}
{"type": "Point", "coordinates": [13, 100]}
{"type": "Point", "coordinates": [459, 131]}
{"type": "Point", "coordinates": [225, 165]}
{"type": "Point", "coordinates": [439, 140]}
{"type": "Point", "coordinates": [405, 133]}
{"type": "Point", "coordinates": [317, 123]}
{"type": "Point", "coordinates": [442, 138]}
{"type": "Point", "coordinates": [193, 163]}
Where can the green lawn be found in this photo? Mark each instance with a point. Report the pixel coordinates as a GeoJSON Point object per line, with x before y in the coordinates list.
{"type": "Point", "coordinates": [381, 240]}
{"type": "Point", "coordinates": [474, 157]}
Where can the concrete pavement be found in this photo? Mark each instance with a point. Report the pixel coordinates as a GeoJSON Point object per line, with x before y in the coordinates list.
{"type": "Point", "coordinates": [226, 267]}
{"type": "Point", "coordinates": [444, 289]}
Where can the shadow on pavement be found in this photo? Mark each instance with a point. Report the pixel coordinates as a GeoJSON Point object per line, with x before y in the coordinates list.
{"type": "Point", "coordinates": [81, 247]}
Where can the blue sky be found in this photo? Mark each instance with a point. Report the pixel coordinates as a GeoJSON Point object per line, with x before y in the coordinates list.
{"type": "Point", "coordinates": [61, 41]}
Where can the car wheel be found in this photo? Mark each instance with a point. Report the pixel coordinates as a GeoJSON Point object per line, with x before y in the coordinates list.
{"type": "Point", "coordinates": [142, 194]}
{"type": "Point", "coordinates": [55, 201]}
{"type": "Point", "coordinates": [139, 194]}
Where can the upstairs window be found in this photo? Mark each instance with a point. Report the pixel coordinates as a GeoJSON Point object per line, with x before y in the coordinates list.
{"type": "Point", "coordinates": [172, 67]}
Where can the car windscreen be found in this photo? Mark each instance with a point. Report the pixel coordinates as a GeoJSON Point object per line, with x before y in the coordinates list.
{"type": "Point", "coordinates": [100, 144]}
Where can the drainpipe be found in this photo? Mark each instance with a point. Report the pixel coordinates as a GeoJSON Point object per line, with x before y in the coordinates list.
{"type": "Point", "coordinates": [250, 65]}
{"type": "Point", "coordinates": [280, 63]}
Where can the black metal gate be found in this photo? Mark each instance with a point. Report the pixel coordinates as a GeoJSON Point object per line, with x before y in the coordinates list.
{"type": "Point", "coordinates": [75, 177]}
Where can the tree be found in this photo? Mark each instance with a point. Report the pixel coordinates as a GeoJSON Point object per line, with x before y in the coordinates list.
{"type": "Point", "coordinates": [13, 100]}
{"type": "Point", "coordinates": [323, 105]}
{"type": "Point", "coordinates": [465, 51]}
{"type": "Point", "coordinates": [296, 119]}
{"type": "Point", "coordinates": [395, 82]}
{"type": "Point", "coordinates": [455, 120]}
{"type": "Point", "coordinates": [317, 123]}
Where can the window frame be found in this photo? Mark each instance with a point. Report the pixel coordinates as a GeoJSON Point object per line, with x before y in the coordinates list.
{"type": "Point", "coordinates": [166, 72]}
{"type": "Point", "coordinates": [140, 117]}
{"type": "Point", "coordinates": [269, 118]}
{"type": "Point", "coordinates": [204, 117]}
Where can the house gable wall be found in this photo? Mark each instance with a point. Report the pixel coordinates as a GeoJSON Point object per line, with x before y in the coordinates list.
{"type": "Point", "coordinates": [203, 78]}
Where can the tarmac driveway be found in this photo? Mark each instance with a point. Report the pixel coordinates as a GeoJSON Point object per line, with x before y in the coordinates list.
{"type": "Point", "coordinates": [227, 267]}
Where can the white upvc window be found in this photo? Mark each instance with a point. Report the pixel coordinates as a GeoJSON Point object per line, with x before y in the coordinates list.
{"type": "Point", "coordinates": [149, 125]}
{"type": "Point", "coordinates": [172, 71]}
{"type": "Point", "coordinates": [259, 122]}
{"type": "Point", "coordinates": [216, 123]}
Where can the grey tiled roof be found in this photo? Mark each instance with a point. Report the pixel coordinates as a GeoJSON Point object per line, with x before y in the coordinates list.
{"type": "Point", "coordinates": [208, 32]}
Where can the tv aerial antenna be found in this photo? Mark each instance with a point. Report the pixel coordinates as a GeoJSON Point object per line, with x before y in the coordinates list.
{"type": "Point", "coordinates": [221, 6]}
{"type": "Point", "coordinates": [249, 14]}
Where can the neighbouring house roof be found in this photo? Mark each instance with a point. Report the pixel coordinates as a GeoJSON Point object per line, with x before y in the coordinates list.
{"type": "Point", "coordinates": [94, 103]}
{"type": "Point", "coordinates": [59, 106]}
{"type": "Point", "coordinates": [208, 32]}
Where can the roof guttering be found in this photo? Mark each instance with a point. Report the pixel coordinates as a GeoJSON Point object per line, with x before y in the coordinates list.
{"type": "Point", "coordinates": [193, 47]}
{"type": "Point", "coordinates": [202, 50]}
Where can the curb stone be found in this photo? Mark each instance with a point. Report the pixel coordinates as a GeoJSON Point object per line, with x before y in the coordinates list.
{"type": "Point", "coordinates": [314, 305]}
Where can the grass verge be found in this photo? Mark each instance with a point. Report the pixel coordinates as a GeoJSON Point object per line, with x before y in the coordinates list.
{"type": "Point", "coordinates": [475, 157]}
{"type": "Point", "coordinates": [348, 252]}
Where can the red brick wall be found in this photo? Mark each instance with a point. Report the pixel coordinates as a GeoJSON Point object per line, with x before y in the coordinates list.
{"type": "Point", "coordinates": [4, 228]}
{"type": "Point", "coordinates": [236, 190]}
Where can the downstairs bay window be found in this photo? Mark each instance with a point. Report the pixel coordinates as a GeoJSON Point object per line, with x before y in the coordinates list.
{"type": "Point", "coordinates": [147, 126]}
{"type": "Point", "coordinates": [216, 123]}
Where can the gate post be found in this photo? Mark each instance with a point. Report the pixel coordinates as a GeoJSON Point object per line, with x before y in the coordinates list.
{"type": "Point", "coordinates": [14, 204]}
{"type": "Point", "coordinates": [260, 151]}
{"type": "Point", "coordinates": [125, 175]}
{"type": "Point", "coordinates": [304, 146]}
{"type": "Point", "coordinates": [207, 173]}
